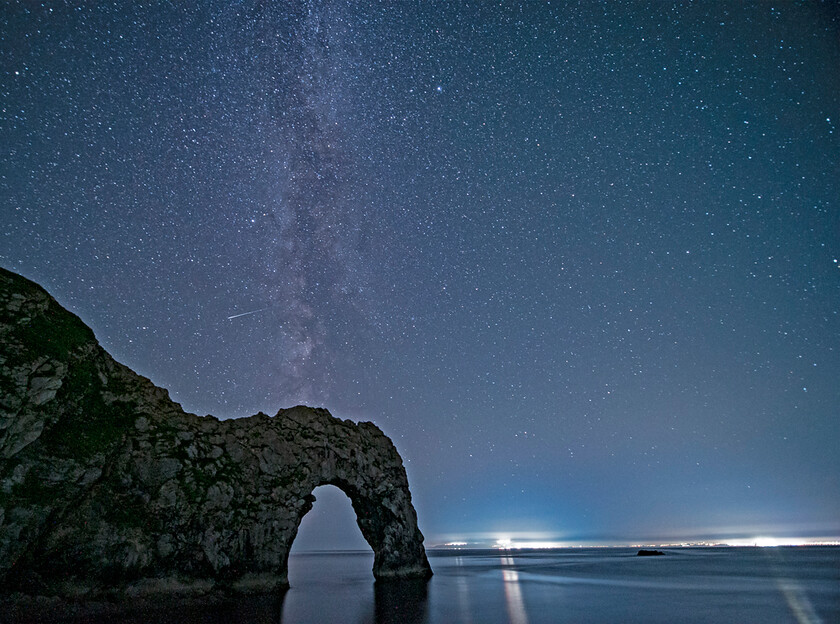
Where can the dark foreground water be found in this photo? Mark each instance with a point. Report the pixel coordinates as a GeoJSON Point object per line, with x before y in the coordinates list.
{"type": "Point", "coordinates": [580, 585]}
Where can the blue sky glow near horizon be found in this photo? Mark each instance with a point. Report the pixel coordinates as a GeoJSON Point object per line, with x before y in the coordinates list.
{"type": "Point", "coordinates": [579, 260]}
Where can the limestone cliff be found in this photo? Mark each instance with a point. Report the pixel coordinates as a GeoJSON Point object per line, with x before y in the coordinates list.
{"type": "Point", "coordinates": [106, 484]}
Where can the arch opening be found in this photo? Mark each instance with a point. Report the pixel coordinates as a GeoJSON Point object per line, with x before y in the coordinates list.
{"type": "Point", "coordinates": [329, 543]}
{"type": "Point", "coordinates": [331, 524]}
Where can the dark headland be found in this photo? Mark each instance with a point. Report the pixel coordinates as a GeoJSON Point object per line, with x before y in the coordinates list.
{"type": "Point", "coordinates": [108, 488]}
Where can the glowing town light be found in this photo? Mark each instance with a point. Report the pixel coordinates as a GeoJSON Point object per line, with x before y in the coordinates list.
{"type": "Point", "coordinates": [767, 541]}
{"type": "Point", "coordinates": [504, 542]}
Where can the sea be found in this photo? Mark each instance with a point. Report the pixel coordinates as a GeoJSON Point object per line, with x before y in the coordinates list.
{"type": "Point", "coordinates": [705, 584]}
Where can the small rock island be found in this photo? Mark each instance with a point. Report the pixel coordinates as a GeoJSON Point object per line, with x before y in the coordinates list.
{"type": "Point", "coordinates": [107, 487]}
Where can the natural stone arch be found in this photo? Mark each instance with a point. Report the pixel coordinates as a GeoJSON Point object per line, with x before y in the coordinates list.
{"type": "Point", "coordinates": [228, 498]}
{"type": "Point", "coordinates": [385, 525]}
{"type": "Point", "coordinates": [364, 464]}
{"type": "Point", "coordinates": [107, 483]}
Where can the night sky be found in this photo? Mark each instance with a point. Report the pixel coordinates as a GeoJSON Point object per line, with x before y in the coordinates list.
{"type": "Point", "coordinates": [579, 260]}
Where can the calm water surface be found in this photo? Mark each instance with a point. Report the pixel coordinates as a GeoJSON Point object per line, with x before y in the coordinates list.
{"type": "Point", "coordinates": [800, 585]}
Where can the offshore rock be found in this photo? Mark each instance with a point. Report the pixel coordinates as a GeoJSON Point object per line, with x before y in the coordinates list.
{"type": "Point", "coordinates": [108, 487]}
{"type": "Point", "coordinates": [649, 553]}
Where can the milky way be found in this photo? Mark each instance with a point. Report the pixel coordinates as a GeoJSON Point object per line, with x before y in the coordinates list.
{"type": "Point", "coordinates": [312, 260]}
{"type": "Point", "coordinates": [580, 260]}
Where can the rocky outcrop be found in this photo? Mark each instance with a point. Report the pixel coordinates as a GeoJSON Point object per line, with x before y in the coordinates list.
{"type": "Point", "coordinates": [106, 484]}
{"type": "Point", "coordinates": [649, 553]}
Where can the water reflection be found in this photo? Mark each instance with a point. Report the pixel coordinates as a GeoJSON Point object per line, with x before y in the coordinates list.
{"type": "Point", "coordinates": [513, 592]}
{"type": "Point", "coordinates": [463, 594]}
{"type": "Point", "coordinates": [798, 601]}
{"type": "Point", "coordinates": [257, 609]}
{"type": "Point", "coordinates": [714, 585]}
{"type": "Point", "coordinates": [400, 602]}
{"type": "Point", "coordinates": [794, 593]}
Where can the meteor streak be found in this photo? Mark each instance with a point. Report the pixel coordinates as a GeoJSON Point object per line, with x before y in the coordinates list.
{"type": "Point", "coordinates": [246, 313]}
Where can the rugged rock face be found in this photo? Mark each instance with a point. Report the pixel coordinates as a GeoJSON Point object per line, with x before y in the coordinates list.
{"type": "Point", "coordinates": [106, 484]}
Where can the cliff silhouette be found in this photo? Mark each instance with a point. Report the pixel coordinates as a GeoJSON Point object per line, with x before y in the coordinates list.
{"type": "Point", "coordinates": [108, 487]}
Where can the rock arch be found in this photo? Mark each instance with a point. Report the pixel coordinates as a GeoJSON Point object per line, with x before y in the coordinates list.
{"type": "Point", "coordinates": [386, 525]}
{"type": "Point", "coordinates": [364, 464]}
{"type": "Point", "coordinates": [106, 483]}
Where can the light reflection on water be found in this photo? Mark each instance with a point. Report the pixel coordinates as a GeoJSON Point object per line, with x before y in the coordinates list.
{"type": "Point", "coordinates": [801, 586]}
{"type": "Point", "coordinates": [463, 594]}
{"type": "Point", "coordinates": [798, 601]}
{"type": "Point", "coordinates": [796, 585]}
{"type": "Point", "coordinates": [792, 589]}
{"type": "Point", "coordinates": [513, 593]}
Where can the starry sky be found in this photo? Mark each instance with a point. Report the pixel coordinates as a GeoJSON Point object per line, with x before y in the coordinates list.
{"type": "Point", "coordinates": [578, 259]}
